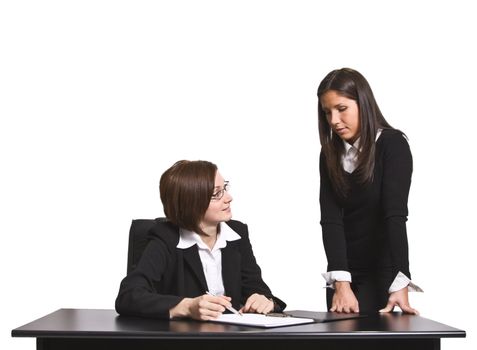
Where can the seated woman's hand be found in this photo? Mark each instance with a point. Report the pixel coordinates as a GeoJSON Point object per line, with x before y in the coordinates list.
{"type": "Point", "coordinates": [202, 308]}
{"type": "Point", "coordinates": [259, 304]}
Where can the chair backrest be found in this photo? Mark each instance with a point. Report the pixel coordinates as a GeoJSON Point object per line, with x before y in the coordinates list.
{"type": "Point", "coordinates": [138, 240]}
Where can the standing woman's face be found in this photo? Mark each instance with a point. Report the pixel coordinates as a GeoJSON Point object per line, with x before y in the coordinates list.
{"type": "Point", "coordinates": [342, 114]}
{"type": "Point", "coordinates": [219, 208]}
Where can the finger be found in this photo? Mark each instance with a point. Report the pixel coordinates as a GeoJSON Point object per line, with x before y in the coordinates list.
{"type": "Point", "coordinates": [260, 308]}
{"type": "Point", "coordinates": [246, 307]}
{"type": "Point", "coordinates": [258, 305]}
{"type": "Point", "coordinates": [389, 307]}
{"type": "Point", "coordinates": [409, 310]}
{"type": "Point", "coordinates": [212, 305]}
{"type": "Point", "coordinates": [338, 307]}
{"type": "Point", "coordinates": [224, 297]}
{"type": "Point", "coordinates": [215, 307]}
{"type": "Point", "coordinates": [333, 308]}
{"type": "Point", "coordinates": [254, 306]}
{"type": "Point", "coordinates": [209, 296]}
{"type": "Point", "coordinates": [207, 314]}
{"type": "Point", "coordinates": [264, 307]}
{"type": "Point", "coordinates": [220, 300]}
{"type": "Point", "coordinates": [270, 306]}
{"type": "Point", "coordinates": [248, 304]}
{"type": "Point", "coordinates": [354, 308]}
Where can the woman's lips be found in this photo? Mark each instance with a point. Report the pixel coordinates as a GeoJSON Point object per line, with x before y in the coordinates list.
{"type": "Point", "coordinates": [341, 130]}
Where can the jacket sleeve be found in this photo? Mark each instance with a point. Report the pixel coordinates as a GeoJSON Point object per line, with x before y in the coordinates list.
{"type": "Point", "coordinates": [138, 294]}
{"type": "Point", "coordinates": [332, 223]}
{"type": "Point", "coordinates": [397, 171]}
{"type": "Point", "coordinates": [252, 281]}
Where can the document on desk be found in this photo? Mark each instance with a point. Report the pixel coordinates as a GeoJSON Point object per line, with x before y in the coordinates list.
{"type": "Point", "coordinates": [259, 320]}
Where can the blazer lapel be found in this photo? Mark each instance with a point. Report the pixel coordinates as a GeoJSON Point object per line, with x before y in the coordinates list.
{"type": "Point", "coordinates": [230, 268]}
{"type": "Point", "coordinates": [192, 260]}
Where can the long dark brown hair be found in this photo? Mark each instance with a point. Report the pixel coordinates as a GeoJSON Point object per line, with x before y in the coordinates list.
{"type": "Point", "coordinates": [351, 84]}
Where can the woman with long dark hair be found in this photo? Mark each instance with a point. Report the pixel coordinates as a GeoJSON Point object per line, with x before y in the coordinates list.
{"type": "Point", "coordinates": [365, 169]}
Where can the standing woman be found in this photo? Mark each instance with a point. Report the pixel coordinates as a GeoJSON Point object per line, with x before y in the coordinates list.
{"type": "Point", "coordinates": [365, 171]}
{"type": "Point", "coordinates": [199, 262]}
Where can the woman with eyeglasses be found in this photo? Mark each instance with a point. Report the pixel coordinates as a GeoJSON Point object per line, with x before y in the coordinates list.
{"type": "Point", "coordinates": [365, 175]}
{"type": "Point", "coordinates": [200, 262]}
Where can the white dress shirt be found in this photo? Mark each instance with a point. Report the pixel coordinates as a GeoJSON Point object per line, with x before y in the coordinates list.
{"type": "Point", "coordinates": [349, 162]}
{"type": "Point", "coordinates": [211, 259]}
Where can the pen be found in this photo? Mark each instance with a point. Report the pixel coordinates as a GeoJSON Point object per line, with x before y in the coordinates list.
{"type": "Point", "coordinates": [230, 308]}
{"type": "Point", "coordinates": [277, 314]}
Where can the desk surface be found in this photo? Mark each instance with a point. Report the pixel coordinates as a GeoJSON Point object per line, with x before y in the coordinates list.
{"type": "Point", "coordinates": [89, 323]}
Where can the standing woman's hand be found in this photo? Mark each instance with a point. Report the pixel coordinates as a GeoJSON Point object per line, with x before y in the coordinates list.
{"type": "Point", "coordinates": [344, 299]}
{"type": "Point", "coordinates": [399, 298]}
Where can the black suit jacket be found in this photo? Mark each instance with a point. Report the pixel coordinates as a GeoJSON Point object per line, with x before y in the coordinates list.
{"type": "Point", "coordinates": [166, 274]}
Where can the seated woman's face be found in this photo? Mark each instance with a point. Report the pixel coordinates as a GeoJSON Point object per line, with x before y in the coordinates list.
{"type": "Point", "coordinates": [219, 208]}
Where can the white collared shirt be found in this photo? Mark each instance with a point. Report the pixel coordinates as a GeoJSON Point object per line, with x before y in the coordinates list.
{"type": "Point", "coordinates": [349, 162]}
{"type": "Point", "coordinates": [211, 259]}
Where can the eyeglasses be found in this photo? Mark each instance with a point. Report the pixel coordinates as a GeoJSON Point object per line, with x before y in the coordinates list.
{"type": "Point", "coordinates": [220, 193]}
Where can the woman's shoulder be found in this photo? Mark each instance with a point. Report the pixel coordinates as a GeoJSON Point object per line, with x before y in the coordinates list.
{"type": "Point", "coordinates": [238, 227]}
{"type": "Point", "coordinates": [393, 144]}
{"type": "Point", "coordinates": [165, 231]}
{"type": "Point", "coordinates": [393, 138]}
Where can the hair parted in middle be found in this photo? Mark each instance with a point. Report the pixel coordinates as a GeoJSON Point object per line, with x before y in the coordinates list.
{"type": "Point", "coordinates": [351, 84]}
{"type": "Point", "coordinates": [186, 189]}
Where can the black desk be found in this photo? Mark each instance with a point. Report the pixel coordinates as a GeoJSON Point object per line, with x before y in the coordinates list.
{"type": "Point", "coordinates": [103, 329]}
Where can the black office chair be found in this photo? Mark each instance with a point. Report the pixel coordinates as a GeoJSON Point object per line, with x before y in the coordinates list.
{"type": "Point", "coordinates": [138, 240]}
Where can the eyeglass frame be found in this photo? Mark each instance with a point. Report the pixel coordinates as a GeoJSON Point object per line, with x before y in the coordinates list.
{"type": "Point", "coordinates": [220, 193]}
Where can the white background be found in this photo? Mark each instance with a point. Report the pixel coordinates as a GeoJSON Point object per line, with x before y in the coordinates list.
{"type": "Point", "coordinates": [98, 98]}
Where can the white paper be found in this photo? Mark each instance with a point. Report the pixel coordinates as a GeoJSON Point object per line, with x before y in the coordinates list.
{"type": "Point", "coordinates": [259, 320]}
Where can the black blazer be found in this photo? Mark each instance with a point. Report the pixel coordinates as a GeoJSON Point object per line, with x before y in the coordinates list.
{"type": "Point", "coordinates": [166, 274]}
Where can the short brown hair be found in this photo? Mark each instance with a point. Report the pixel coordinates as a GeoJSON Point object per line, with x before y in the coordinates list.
{"type": "Point", "coordinates": [186, 189]}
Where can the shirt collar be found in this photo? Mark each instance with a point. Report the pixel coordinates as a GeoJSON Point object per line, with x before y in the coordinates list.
{"type": "Point", "coordinates": [189, 238]}
{"type": "Point", "coordinates": [348, 146]}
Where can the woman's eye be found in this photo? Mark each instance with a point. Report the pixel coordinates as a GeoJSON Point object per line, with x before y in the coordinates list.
{"type": "Point", "coordinates": [342, 109]}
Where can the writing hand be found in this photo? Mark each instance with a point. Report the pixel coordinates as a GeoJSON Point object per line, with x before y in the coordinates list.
{"type": "Point", "coordinates": [203, 308]}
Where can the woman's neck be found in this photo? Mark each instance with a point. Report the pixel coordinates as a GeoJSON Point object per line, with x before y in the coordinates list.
{"type": "Point", "coordinates": [210, 236]}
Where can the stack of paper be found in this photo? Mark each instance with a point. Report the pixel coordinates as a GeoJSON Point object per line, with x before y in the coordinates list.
{"type": "Point", "coordinates": [259, 320]}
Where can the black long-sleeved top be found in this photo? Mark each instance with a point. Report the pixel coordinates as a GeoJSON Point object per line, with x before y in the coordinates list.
{"type": "Point", "coordinates": [367, 229]}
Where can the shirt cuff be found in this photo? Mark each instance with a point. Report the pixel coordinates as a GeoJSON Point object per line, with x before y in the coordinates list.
{"type": "Point", "coordinates": [332, 276]}
{"type": "Point", "coordinates": [402, 281]}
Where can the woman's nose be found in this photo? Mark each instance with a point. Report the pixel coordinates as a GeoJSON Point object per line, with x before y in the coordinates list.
{"type": "Point", "coordinates": [334, 118]}
{"type": "Point", "coordinates": [227, 197]}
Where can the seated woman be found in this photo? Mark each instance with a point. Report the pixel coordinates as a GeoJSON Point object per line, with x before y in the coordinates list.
{"type": "Point", "coordinates": [199, 262]}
